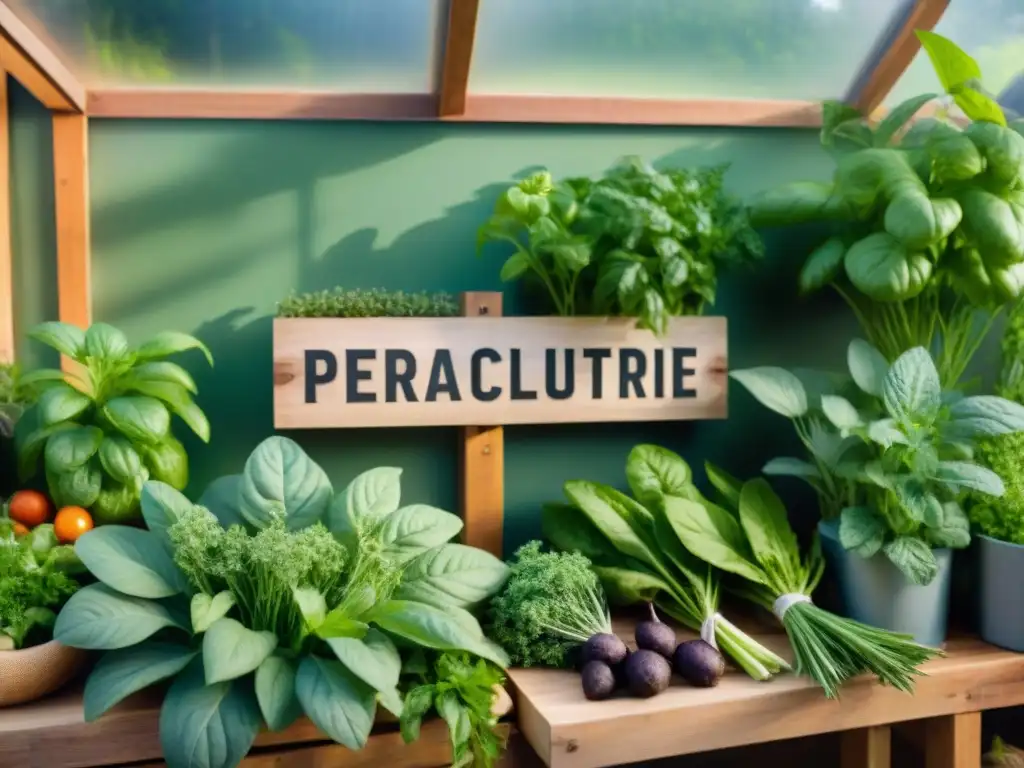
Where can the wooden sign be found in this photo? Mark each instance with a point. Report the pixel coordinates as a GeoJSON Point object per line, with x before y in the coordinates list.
{"type": "Point", "coordinates": [459, 371]}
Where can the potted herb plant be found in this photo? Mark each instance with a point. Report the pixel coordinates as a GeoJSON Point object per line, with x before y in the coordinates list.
{"type": "Point", "coordinates": [37, 576]}
{"type": "Point", "coordinates": [999, 523]}
{"type": "Point", "coordinates": [102, 430]}
{"type": "Point", "coordinates": [891, 458]}
{"type": "Point", "coordinates": [276, 596]}
{"type": "Point", "coordinates": [925, 243]}
{"type": "Point", "coordinates": [636, 242]}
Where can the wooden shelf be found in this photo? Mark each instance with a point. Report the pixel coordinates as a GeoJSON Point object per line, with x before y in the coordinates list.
{"type": "Point", "coordinates": [567, 731]}
{"type": "Point", "coordinates": [51, 733]}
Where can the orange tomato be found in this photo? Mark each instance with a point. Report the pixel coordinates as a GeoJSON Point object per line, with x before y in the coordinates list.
{"type": "Point", "coordinates": [30, 508]}
{"type": "Point", "coordinates": [70, 523]}
{"type": "Point", "coordinates": [20, 530]}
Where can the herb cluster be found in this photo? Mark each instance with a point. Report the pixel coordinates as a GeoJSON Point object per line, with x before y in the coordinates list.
{"type": "Point", "coordinates": [374, 302]}
{"type": "Point", "coordinates": [889, 452]}
{"type": "Point", "coordinates": [926, 220]}
{"type": "Point", "coordinates": [636, 242]}
{"type": "Point", "coordinates": [16, 394]}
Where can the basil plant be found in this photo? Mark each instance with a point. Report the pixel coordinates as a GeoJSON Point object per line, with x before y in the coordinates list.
{"type": "Point", "coordinates": [889, 453]}
{"type": "Point", "coordinates": [104, 428]}
{"type": "Point", "coordinates": [272, 598]}
{"type": "Point", "coordinates": [925, 220]}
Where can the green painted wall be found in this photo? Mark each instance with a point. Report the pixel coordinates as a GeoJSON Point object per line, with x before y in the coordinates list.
{"type": "Point", "coordinates": [203, 226]}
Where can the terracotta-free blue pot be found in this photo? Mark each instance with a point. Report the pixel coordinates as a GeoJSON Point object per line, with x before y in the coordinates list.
{"type": "Point", "coordinates": [1000, 609]}
{"type": "Point", "coordinates": [876, 592]}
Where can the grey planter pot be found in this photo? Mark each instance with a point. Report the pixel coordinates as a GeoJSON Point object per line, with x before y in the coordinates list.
{"type": "Point", "coordinates": [875, 592]}
{"type": "Point", "coordinates": [1001, 611]}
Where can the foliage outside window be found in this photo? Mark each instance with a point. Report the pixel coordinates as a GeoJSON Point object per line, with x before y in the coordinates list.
{"type": "Point", "coordinates": [889, 453]}
{"type": "Point", "coordinates": [636, 242]}
{"type": "Point", "coordinates": [927, 241]}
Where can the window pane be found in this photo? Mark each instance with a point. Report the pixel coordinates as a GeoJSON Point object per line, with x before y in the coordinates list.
{"type": "Point", "coordinates": [992, 31]}
{"type": "Point", "coordinates": [354, 46]}
{"type": "Point", "coordinates": [793, 49]}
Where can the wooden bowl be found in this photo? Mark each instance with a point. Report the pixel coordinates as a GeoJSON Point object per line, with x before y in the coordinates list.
{"type": "Point", "coordinates": [32, 673]}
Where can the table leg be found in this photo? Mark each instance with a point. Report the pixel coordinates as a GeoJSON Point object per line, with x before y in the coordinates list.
{"type": "Point", "coordinates": [866, 748]}
{"type": "Point", "coordinates": [953, 741]}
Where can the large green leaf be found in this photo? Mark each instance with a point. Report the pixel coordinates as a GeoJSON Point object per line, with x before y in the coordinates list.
{"type": "Point", "coordinates": [373, 659]}
{"type": "Point", "coordinates": [626, 524]}
{"type": "Point", "coordinates": [275, 692]}
{"type": "Point", "coordinates": [223, 499]}
{"type": "Point", "coordinates": [410, 530]}
{"type": "Point", "coordinates": [231, 650]}
{"type": "Point", "coordinates": [985, 416]}
{"type": "Point", "coordinates": [78, 487]}
{"type": "Point", "coordinates": [868, 366]}
{"type": "Point", "coordinates": [452, 575]}
{"type": "Point", "coordinates": [822, 265]}
{"type": "Point", "coordinates": [61, 402]}
{"type": "Point", "coordinates": [177, 398]}
{"type": "Point", "coordinates": [914, 557]}
{"type": "Point", "coordinates": [164, 371]}
{"type": "Point", "coordinates": [372, 495]}
{"type": "Point", "coordinates": [883, 268]}
{"type": "Point", "coordinates": [169, 343]}
{"type": "Point", "coordinates": [280, 481]}
{"type": "Point", "coordinates": [121, 673]}
{"type": "Point", "coordinates": [166, 462]}
{"type": "Point", "coordinates": [98, 618]}
{"type": "Point", "coordinates": [653, 471]}
{"type": "Point", "coordinates": [955, 158]}
{"type": "Point", "coordinates": [899, 116]}
{"type": "Point", "coordinates": [162, 506]}
{"type": "Point", "coordinates": [765, 524]}
{"type": "Point", "coordinates": [130, 560]}
{"type": "Point", "coordinates": [115, 504]}
{"type": "Point", "coordinates": [71, 448]}
{"type": "Point", "coordinates": [339, 704]}
{"type": "Point", "coordinates": [105, 342]}
{"type": "Point", "coordinates": [140, 418]}
{"type": "Point", "coordinates": [861, 530]}
{"type": "Point", "coordinates": [912, 391]}
{"type": "Point", "coordinates": [120, 460]}
{"type": "Point", "coordinates": [629, 586]}
{"type": "Point", "coordinates": [964, 474]}
{"type": "Point", "coordinates": [952, 65]}
{"type": "Point", "coordinates": [841, 412]}
{"type": "Point", "coordinates": [207, 726]}
{"type": "Point", "coordinates": [65, 338]}
{"type": "Point", "coordinates": [713, 535]}
{"type": "Point", "coordinates": [917, 222]}
{"type": "Point", "coordinates": [775, 388]}
{"type": "Point", "coordinates": [993, 225]}
{"type": "Point", "coordinates": [30, 441]}
{"type": "Point", "coordinates": [205, 610]}
{"type": "Point", "coordinates": [449, 629]}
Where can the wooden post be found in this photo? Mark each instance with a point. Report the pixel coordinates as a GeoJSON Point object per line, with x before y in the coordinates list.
{"type": "Point", "coordinates": [953, 741]}
{"type": "Point", "coordinates": [458, 55]}
{"type": "Point", "coordinates": [482, 485]}
{"type": "Point", "coordinates": [6, 260]}
{"type": "Point", "coordinates": [866, 748]}
{"type": "Point", "coordinates": [71, 197]}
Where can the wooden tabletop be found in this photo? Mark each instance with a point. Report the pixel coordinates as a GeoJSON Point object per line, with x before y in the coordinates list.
{"type": "Point", "coordinates": [568, 731]}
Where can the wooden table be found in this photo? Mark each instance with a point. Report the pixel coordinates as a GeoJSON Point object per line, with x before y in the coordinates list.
{"type": "Point", "coordinates": [567, 731]}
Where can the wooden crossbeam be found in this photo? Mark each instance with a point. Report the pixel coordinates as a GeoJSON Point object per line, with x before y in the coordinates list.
{"type": "Point", "coordinates": [458, 56]}
{"type": "Point", "coordinates": [35, 66]}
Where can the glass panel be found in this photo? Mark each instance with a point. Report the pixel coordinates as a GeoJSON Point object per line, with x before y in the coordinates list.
{"type": "Point", "coordinates": [353, 46]}
{"type": "Point", "coordinates": [795, 49]}
{"type": "Point", "coordinates": [992, 31]}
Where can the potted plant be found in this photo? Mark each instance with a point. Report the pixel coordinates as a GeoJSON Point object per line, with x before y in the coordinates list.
{"type": "Point", "coordinates": [924, 238]}
{"type": "Point", "coordinates": [102, 430]}
{"type": "Point", "coordinates": [276, 596]}
{"type": "Point", "coordinates": [37, 576]}
{"type": "Point", "coordinates": [999, 523]}
{"type": "Point", "coordinates": [891, 458]}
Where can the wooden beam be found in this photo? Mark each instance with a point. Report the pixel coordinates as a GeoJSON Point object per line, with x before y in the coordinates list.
{"type": "Point", "coordinates": [6, 260]}
{"type": "Point", "coordinates": [482, 459]}
{"type": "Point", "coordinates": [71, 197]}
{"type": "Point", "coordinates": [259, 105]}
{"type": "Point", "coordinates": [458, 56]}
{"type": "Point", "coordinates": [36, 67]}
{"type": "Point", "coordinates": [866, 748]}
{"type": "Point", "coordinates": [953, 741]}
{"type": "Point", "coordinates": [895, 61]}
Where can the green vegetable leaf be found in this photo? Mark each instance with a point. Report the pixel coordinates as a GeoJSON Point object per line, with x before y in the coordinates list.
{"type": "Point", "coordinates": [275, 692]}
{"type": "Point", "coordinates": [120, 460]}
{"type": "Point", "coordinates": [765, 523]}
{"type": "Point", "coordinates": [953, 66]}
{"type": "Point", "coordinates": [177, 398]}
{"type": "Point", "coordinates": [161, 508]}
{"type": "Point", "coordinates": [913, 557]}
{"type": "Point", "coordinates": [840, 412]}
{"type": "Point", "coordinates": [822, 265]}
{"type": "Point", "coordinates": [450, 629]}
{"type": "Point", "coordinates": [312, 606]}
{"type": "Point", "coordinates": [417, 703]}
{"type": "Point", "coordinates": [78, 487]}
{"type": "Point", "coordinates": [373, 659]}
{"type": "Point", "coordinates": [280, 481]}
{"type": "Point", "coordinates": [868, 366]}
{"type": "Point", "coordinates": [230, 650]}
{"type": "Point", "coordinates": [171, 373]}
{"type": "Point", "coordinates": [951, 529]}
{"type": "Point", "coordinates": [713, 535]}
{"type": "Point", "coordinates": [899, 116]}
{"type": "Point", "coordinates": [105, 342]}
{"type": "Point", "coordinates": [207, 726]}
{"type": "Point", "coordinates": [917, 222]}
{"type": "Point", "coordinates": [456, 716]}
{"type": "Point", "coordinates": [862, 531]}
{"type": "Point", "coordinates": [515, 266]}
{"type": "Point", "coordinates": [98, 618]}
{"type": "Point", "coordinates": [372, 495]}
{"type": "Point", "coordinates": [985, 416]}
{"type": "Point", "coordinates": [170, 343]}
{"type": "Point", "coordinates": [963, 474]}
{"type": "Point", "coordinates": [653, 471]}
{"type": "Point", "coordinates": [884, 269]}
{"type": "Point", "coordinates": [166, 462]}
{"type": "Point", "coordinates": [886, 433]}
{"type": "Point", "coordinates": [785, 465]}
{"type": "Point", "coordinates": [71, 448]}
{"type": "Point", "coordinates": [205, 610]}
{"type": "Point", "coordinates": [121, 673]}
{"type": "Point", "coordinates": [339, 704]}
{"type": "Point", "coordinates": [775, 388]}
{"type": "Point", "coordinates": [65, 338]}
{"type": "Point", "coordinates": [979, 106]}
{"type": "Point", "coordinates": [143, 419]}
{"type": "Point", "coordinates": [452, 575]}
{"type": "Point", "coordinates": [417, 527]}
{"type": "Point", "coordinates": [130, 560]}
{"type": "Point", "coordinates": [911, 391]}
{"type": "Point", "coordinates": [619, 518]}
{"type": "Point", "coordinates": [222, 498]}
{"type": "Point", "coordinates": [728, 486]}
{"type": "Point", "coordinates": [61, 402]}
